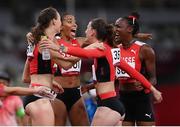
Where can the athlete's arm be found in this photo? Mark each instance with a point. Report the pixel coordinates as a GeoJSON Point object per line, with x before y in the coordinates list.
{"type": "Point", "coordinates": [55, 55]}
{"type": "Point", "coordinates": [96, 45]}
{"type": "Point", "coordinates": [75, 51]}
{"type": "Point", "coordinates": [62, 61]}
{"type": "Point", "coordinates": [18, 91]}
{"type": "Point", "coordinates": [147, 55]}
{"type": "Point", "coordinates": [85, 53]}
{"type": "Point", "coordinates": [135, 74]}
{"type": "Point", "coordinates": [26, 72]}
{"type": "Point", "coordinates": [143, 36]}
{"type": "Point", "coordinates": [29, 37]}
{"type": "Point", "coordinates": [21, 91]}
{"type": "Point", "coordinates": [86, 88]}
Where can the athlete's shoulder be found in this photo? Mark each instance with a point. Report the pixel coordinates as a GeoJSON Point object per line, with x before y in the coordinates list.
{"type": "Point", "coordinates": [140, 43]}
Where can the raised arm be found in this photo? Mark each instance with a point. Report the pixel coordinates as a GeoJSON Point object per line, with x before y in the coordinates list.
{"type": "Point", "coordinates": [143, 36]}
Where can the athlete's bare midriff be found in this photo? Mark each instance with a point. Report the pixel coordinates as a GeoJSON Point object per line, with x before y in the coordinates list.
{"type": "Point", "coordinates": [68, 81]}
{"type": "Point", "coordinates": [42, 79]}
{"type": "Point", "coordinates": [105, 87]}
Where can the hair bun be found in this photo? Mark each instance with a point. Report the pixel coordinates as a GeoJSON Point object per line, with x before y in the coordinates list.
{"type": "Point", "coordinates": [135, 14]}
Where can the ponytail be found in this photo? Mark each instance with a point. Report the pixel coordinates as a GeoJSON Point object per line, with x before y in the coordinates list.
{"type": "Point", "coordinates": [43, 22]}
{"type": "Point", "coordinates": [110, 34]}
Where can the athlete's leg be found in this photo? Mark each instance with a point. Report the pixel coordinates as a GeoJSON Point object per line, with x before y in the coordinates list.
{"type": "Point", "coordinates": [41, 112]}
{"type": "Point", "coordinates": [26, 120]}
{"type": "Point", "coordinates": [119, 123]}
{"type": "Point", "coordinates": [145, 114]}
{"type": "Point", "coordinates": [78, 115]}
{"type": "Point", "coordinates": [105, 116]}
{"type": "Point", "coordinates": [60, 112]}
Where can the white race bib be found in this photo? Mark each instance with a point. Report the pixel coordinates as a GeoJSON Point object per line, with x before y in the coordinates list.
{"type": "Point", "coordinates": [120, 73]}
{"type": "Point", "coordinates": [75, 68]}
{"type": "Point", "coordinates": [115, 55]}
{"type": "Point", "coordinates": [30, 50]}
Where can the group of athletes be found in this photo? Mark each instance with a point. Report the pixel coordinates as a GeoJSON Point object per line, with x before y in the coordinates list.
{"type": "Point", "coordinates": [120, 61]}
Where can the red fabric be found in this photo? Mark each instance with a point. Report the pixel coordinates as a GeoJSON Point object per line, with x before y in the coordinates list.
{"type": "Point", "coordinates": [33, 63]}
{"type": "Point", "coordinates": [1, 88]}
{"type": "Point", "coordinates": [95, 53]}
{"type": "Point", "coordinates": [86, 53]}
{"type": "Point", "coordinates": [107, 95]}
{"type": "Point", "coordinates": [131, 56]}
{"type": "Point", "coordinates": [133, 17]}
{"type": "Point", "coordinates": [35, 84]}
{"type": "Point", "coordinates": [73, 43]}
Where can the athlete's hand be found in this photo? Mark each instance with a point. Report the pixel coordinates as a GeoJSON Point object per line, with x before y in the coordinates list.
{"type": "Point", "coordinates": [48, 44]}
{"type": "Point", "coordinates": [157, 95]}
{"type": "Point", "coordinates": [144, 36]}
{"type": "Point", "coordinates": [57, 87]}
{"type": "Point", "coordinates": [44, 91]}
{"type": "Point", "coordinates": [29, 37]}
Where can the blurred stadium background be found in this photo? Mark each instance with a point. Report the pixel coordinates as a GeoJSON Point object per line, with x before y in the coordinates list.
{"type": "Point", "coordinates": [159, 17]}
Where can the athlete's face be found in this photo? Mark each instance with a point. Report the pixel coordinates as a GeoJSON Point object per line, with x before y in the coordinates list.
{"type": "Point", "coordinates": [57, 23]}
{"type": "Point", "coordinates": [90, 32]}
{"type": "Point", "coordinates": [69, 26]}
{"type": "Point", "coordinates": [122, 29]}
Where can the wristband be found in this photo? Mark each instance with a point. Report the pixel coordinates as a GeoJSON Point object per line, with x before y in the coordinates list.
{"type": "Point", "coordinates": [20, 113]}
{"type": "Point", "coordinates": [61, 48]}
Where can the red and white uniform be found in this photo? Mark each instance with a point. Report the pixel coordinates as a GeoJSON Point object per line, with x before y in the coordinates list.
{"type": "Point", "coordinates": [38, 65]}
{"type": "Point", "coordinates": [76, 68]}
{"type": "Point", "coordinates": [131, 56]}
{"type": "Point", "coordinates": [8, 108]}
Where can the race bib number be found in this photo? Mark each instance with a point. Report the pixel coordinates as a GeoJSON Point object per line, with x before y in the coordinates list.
{"type": "Point", "coordinates": [30, 50]}
{"type": "Point", "coordinates": [120, 73]}
{"type": "Point", "coordinates": [75, 68]}
{"type": "Point", "coordinates": [115, 55]}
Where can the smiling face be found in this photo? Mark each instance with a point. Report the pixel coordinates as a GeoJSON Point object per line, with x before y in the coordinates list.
{"type": "Point", "coordinates": [123, 30]}
{"type": "Point", "coordinates": [69, 26]}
